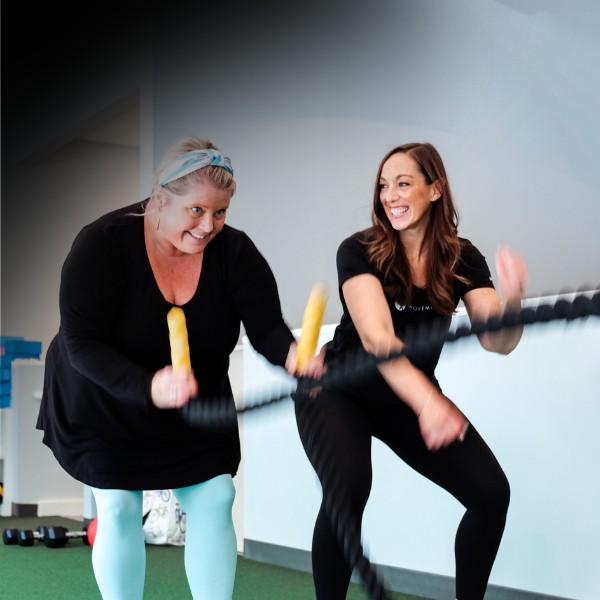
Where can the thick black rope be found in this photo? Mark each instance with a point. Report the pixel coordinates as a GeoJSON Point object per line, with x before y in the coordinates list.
{"type": "Point", "coordinates": [337, 508]}
{"type": "Point", "coordinates": [222, 412]}
{"type": "Point", "coordinates": [207, 413]}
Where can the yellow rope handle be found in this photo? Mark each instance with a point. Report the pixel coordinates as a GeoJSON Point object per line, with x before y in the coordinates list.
{"type": "Point", "coordinates": [178, 337]}
{"type": "Point", "coordinates": [311, 325]}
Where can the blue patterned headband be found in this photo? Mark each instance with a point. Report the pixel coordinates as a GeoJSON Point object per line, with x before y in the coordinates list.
{"type": "Point", "coordinates": [189, 162]}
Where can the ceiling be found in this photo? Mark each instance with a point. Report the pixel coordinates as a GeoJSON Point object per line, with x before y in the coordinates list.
{"type": "Point", "coordinates": [122, 129]}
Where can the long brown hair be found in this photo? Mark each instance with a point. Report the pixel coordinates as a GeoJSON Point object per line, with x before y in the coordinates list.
{"type": "Point", "coordinates": [441, 243]}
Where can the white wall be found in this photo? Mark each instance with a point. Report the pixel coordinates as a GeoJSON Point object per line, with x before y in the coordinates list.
{"type": "Point", "coordinates": [537, 410]}
{"type": "Point", "coordinates": [31, 474]}
{"type": "Point", "coordinates": [45, 204]}
{"type": "Point", "coordinates": [307, 97]}
{"type": "Point", "coordinates": [236, 375]}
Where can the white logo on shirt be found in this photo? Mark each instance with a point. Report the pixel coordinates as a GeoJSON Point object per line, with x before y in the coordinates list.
{"type": "Point", "coordinates": [402, 307]}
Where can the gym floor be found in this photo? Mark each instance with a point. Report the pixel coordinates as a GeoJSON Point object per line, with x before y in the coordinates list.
{"type": "Point", "coordinates": [66, 573]}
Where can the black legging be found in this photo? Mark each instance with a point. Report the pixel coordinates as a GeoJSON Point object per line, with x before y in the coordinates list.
{"type": "Point", "coordinates": [336, 431]}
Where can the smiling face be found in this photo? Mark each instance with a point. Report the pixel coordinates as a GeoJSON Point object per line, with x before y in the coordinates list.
{"type": "Point", "coordinates": [189, 222]}
{"type": "Point", "coordinates": [405, 194]}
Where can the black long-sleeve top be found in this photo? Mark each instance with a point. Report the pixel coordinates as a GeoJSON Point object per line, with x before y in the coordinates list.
{"type": "Point", "coordinates": [96, 410]}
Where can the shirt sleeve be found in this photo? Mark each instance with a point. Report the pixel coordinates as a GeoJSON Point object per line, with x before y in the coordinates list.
{"type": "Point", "coordinates": [256, 298]}
{"type": "Point", "coordinates": [474, 268]}
{"type": "Point", "coordinates": [91, 289]}
{"type": "Point", "coordinates": [352, 260]}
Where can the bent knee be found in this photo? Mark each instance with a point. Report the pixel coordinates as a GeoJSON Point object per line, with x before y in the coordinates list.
{"type": "Point", "coordinates": [352, 493]}
{"type": "Point", "coordinates": [217, 493]}
{"type": "Point", "coordinates": [120, 506]}
{"type": "Point", "coordinates": [222, 491]}
{"type": "Point", "coordinates": [495, 498]}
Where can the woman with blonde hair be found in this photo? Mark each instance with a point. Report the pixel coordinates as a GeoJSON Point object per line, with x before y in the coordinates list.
{"type": "Point", "coordinates": [109, 407]}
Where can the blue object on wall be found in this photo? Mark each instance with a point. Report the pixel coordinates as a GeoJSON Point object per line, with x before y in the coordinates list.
{"type": "Point", "coordinates": [12, 347]}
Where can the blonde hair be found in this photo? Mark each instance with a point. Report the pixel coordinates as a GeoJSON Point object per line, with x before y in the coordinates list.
{"type": "Point", "coordinates": [217, 176]}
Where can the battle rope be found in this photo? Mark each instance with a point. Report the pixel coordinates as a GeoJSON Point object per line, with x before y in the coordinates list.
{"type": "Point", "coordinates": [219, 412]}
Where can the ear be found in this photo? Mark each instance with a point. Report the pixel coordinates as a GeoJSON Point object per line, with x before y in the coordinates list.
{"type": "Point", "coordinates": [437, 187]}
{"type": "Point", "coordinates": [160, 196]}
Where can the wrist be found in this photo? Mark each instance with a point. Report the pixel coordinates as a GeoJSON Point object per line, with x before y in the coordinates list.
{"type": "Point", "coordinates": [427, 399]}
{"type": "Point", "coordinates": [513, 303]}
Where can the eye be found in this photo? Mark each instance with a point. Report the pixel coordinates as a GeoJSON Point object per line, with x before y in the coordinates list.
{"type": "Point", "coordinates": [219, 214]}
{"type": "Point", "coordinates": [197, 210]}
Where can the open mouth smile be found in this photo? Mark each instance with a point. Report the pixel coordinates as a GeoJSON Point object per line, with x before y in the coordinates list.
{"type": "Point", "coordinates": [198, 236]}
{"type": "Point", "coordinates": [399, 211]}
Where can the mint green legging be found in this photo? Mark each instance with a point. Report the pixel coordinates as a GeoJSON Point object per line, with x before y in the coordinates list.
{"type": "Point", "coordinates": [119, 553]}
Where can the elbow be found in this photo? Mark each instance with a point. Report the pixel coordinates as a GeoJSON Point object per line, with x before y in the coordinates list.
{"type": "Point", "coordinates": [504, 351]}
{"type": "Point", "coordinates": [498, 344]}
{"type": "Point", "coordinates": [381, 345]}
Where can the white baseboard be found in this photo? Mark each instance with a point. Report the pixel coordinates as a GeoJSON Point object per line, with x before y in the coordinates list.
{"type": "Point", "coordinates": [61, 508]}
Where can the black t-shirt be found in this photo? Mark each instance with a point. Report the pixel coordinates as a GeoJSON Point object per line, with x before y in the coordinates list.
{"type": "Point", "coordinates": [352, 260]}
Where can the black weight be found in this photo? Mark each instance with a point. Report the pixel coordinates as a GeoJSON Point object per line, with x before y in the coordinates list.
{"type": "Point", "coordinates": [26, 537]}
{"type": "Point", "coordinates": [57, 536]}
{"type": "Point", "coordinates": [10, 537]}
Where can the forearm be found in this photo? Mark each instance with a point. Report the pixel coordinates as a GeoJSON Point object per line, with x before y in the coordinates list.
{"type": "Point", "coordinates": [503, 341]}
{"type": "Point", "coordinates": [512, 278]}
{"type": "Point", "coordinates": [273, 343]}
{"type": "Point", "coordinates": [409, 383]}
{"type": "Point", "coordinates": [118, 375]}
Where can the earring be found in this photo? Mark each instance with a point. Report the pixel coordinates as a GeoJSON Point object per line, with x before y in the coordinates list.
{"type": "Point", "coordinates": [159, 202]}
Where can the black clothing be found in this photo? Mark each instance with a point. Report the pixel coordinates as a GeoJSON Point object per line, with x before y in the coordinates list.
{"type": "Point", "coordinates": [352, 260]}
{"type": "Point", "coordinates": [337, 430]}
{"type": "Point", "coordinates": [96, 410]}
{"type": "Point", "coordinates": [337, 426]}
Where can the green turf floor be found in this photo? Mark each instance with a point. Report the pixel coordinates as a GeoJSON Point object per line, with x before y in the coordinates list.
{"type": "Point", "coordinates": [28, 573]}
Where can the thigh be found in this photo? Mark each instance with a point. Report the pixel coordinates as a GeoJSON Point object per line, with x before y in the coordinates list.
{"type": "Point", "coordinates": [117, 504]}
{"type": "Point", "coordinates": [213, 494]}
{"type": "Point", "coordinates": [336, 434]}
{"type": "Point", "coordinates": [468, 469]}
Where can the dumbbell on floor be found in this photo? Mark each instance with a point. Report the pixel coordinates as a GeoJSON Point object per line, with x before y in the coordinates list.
{"type": "Point", "coordinates": [54, 536]}
{"type": "Point", "coordinates": [24, 538]}
{"type": "Point", "coordinates": [57, 537]}
{"type": "Point", "coordinates": [10, 536]}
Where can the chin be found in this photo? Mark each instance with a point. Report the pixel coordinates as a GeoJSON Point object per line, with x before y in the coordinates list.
{"type": "Point", "coordinates": [399, 226]}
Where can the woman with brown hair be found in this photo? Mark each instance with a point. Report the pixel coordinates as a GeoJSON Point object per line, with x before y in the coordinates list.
{"type": "Point", "coordinates": [409, 269]}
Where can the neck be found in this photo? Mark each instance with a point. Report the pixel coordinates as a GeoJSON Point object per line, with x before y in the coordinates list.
{"type": "Point", "coordinates": [156, 243]}
{"type": "Point", "coordinates": [412, 242]}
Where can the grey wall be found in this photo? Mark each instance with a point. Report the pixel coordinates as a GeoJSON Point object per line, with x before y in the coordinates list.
{"type": "Point", "coordinates": [306, 99]}
{"type": "Point", "coordinates": [546, 446]}
{"type": "Point", "coordinates": [71, 129]}
{"type": "Point", "coordinates": [65, 71]}
{"type": "Point", "coordinates": [44, 207]}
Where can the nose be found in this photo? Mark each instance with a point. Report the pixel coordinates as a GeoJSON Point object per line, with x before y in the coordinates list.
{"type": "Point", "coordinates": [206, 224]}
{"type": "Point", "coordinates": [390, 194]}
